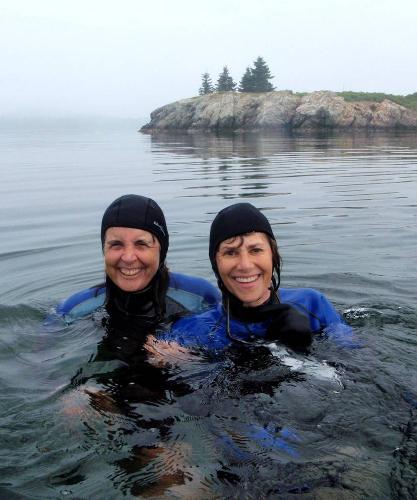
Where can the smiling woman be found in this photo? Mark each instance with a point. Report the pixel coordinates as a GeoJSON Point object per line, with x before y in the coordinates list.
{"type": "Point", "coordinates": [135, 241]}
{"type": "Point", "coordinates": [131, 257]}
{"type": "Point", "coordinates": [138, 295]}
{"type": "Point", "coordinates": [138, 287]}
{"type": "Point", "coordinates": [244, 256]}
{"type": "Point", "coordinates": [245, 266]}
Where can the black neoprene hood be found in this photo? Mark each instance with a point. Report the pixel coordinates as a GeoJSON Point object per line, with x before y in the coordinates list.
{"type": "Point", "coordinates": [240, 218]}
{"type": "Point", "coordinates": [137, 212]}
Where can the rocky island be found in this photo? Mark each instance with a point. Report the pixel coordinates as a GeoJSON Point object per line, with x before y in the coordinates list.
{"type": "Point", "coordinates": [242, 111]}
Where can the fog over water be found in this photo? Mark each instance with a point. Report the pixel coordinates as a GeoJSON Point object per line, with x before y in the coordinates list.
{"type": "Point", "coordinates": [93, 57]}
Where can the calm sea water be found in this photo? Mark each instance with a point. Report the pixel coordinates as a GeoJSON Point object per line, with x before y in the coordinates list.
{"type": "Point", "coordinates": [343, 208]}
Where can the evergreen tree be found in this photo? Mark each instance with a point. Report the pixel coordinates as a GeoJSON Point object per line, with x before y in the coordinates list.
{"type": "Point", "coordinates": [261, 76]}
{"type": "Point", "coordinates": [225, 81]}
{"type": "Point", "coordinates": [246, 83]}
{"type": "Point", "coordinates": [256, 79]}
{"type": "Point", "coordinates": [206, 85]}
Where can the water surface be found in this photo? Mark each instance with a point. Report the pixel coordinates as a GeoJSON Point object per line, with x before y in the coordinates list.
{"type": "Point", "coordinates": [343, 208]}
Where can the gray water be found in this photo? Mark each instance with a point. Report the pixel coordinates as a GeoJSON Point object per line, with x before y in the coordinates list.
{"type": "Point", "coordinates": [343, 208]}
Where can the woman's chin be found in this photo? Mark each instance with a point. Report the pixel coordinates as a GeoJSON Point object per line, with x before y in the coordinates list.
{"type": "Point", "coordinates": [253, 299]}
{"type": "Point", "coordinates": [131, 285]}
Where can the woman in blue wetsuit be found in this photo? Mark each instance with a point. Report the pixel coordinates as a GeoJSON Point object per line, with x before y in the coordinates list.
{"type": "Point", "coordinates": [245, 259]}
{"type": "Point", "coordinates": [138, 287]}
{"type": "Point", "coordinates": [138, 295]}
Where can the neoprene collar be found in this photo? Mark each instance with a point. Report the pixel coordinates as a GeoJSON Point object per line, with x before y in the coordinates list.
{"type": "Point", "coordinates": [140, 304]}
{"type": "Point", "coordinates": [252, 314]}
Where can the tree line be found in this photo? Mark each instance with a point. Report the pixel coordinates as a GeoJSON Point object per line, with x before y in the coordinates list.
{"type": "Point", "coordinates": [255, 79]}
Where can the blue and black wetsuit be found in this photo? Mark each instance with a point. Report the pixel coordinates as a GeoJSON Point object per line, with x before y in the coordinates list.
{"type": "Point", "coordinates": [184, 294]}
{"type": "Point", "coordinates": [128, 319]}
{"type": "Point", "coordinates": [210, 329]}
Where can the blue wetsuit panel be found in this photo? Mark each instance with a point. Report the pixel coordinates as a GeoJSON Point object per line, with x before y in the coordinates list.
{"type": "Point", "coordinates": [208, 329]}
{"type": "Point", "coordinates": [195, 294]}
{"type": "Point", "coordinates": [81, 303]}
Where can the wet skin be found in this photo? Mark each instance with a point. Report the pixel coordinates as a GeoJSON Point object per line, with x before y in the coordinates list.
{"type": "Point", "coordinates": [245, 268]}
{"type": "Point", "coordinates": [131, 257]}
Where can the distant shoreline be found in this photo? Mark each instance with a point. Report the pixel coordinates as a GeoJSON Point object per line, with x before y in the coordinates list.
{"type": "Point", "coordinates": [239, 111]}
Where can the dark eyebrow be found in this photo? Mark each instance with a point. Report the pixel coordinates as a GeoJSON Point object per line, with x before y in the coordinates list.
{"type": "Point", "coordinates": [112, 242]}
{"type": "Point", "coordinates": [143, 241]}
{"type": "Point", "coordinates": [229, 246]}
{"type": "Point", "coordinates": [258, 244]}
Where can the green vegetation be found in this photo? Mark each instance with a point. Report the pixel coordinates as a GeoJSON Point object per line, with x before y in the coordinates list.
{"type": "Point", "coordinates": [255, 79]}
{"type": "Point", "coordinates": [408, 101]}
{"type": "Point", "coordinates": [206, 85]}
{"type": "Point", "coordinates": [225, 82]}
{"type": "Point", "coordinates": [246, 83]}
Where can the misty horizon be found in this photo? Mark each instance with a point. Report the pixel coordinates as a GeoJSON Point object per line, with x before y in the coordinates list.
{"type": "Point", "coordinates": [86, 59]}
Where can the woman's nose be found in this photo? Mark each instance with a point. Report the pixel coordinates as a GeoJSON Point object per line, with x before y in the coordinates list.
{"type": "Point", "coordinates": [244, 260]}
{"type": "Point", "coordinates": [129, 254]}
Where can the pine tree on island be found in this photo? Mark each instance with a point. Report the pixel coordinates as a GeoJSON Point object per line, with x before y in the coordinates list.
{"type": "Point", "coordinates": [256, 79]}
{"type": "Point", "coordinates": [206, 85]}
{"type": "Point", "coordinates": [247, 83]}
{"type": "Point", "coordinates": [225, 82]}
{"type": "Point", "coordinates": [261, 76]}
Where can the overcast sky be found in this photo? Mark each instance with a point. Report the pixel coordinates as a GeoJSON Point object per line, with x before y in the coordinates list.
{"type": "Point", "coordinates": [128, 57]}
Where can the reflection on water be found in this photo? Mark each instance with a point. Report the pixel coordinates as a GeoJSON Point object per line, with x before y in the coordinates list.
{"type": "Point", "coordinates": [261, 146]}
{"type": "Point", "coordinates": [250, 424]}
{"type": "Point", "coordinates": [328, 197]}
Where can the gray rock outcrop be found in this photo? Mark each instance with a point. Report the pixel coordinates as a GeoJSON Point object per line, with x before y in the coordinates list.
{"type": "Point", "coordinates": [274, 110]}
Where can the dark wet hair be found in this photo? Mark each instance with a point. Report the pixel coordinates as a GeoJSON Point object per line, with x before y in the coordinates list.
{"type": "Point", "coordinates": [236, 221]}
{"type": "Point", "coordinates": [276, 263]}
{"type": "Point", "coordinates": [240, 218]}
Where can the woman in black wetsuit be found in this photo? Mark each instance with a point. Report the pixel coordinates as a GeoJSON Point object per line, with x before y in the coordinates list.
{"type": "Point", "coordinates": [135, 241]}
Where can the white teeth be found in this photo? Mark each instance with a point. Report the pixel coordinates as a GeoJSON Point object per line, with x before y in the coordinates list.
{"type": "Point", "coordinates": [249, 279]}
{"type": "Point", "coordinates": [129, 272]}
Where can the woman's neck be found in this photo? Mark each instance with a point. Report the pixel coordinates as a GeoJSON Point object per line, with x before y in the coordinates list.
{"type": "Point", "coordinates": [131, 304]}
{"type": "Point", "coordinates": [253, 314]}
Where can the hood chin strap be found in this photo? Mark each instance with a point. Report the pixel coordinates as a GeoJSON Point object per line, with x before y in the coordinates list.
{"type": "Point", "coordinates": [284, 322]}
{"type": "Point", "coordinates": [137, 304]}
{"type": "Point", "coordinates": [226, 305]}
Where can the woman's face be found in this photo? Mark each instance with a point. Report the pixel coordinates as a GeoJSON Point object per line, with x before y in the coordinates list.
{"type": "Point", "coordinates": [131, 257]}
{"type": "Point", "coordinates": [245, 267]}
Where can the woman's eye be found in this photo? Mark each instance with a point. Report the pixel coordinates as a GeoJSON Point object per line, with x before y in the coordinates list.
{"type": "Point", "coordinates": [142, 244]}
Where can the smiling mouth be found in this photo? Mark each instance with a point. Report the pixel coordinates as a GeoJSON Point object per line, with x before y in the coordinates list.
{"type": "Point", "coordinates": [246, 279]}
{"type": "Point", "coordinates": [130, 272]}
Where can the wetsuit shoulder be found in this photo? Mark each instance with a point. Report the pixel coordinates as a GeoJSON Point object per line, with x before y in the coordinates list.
{"type": "Point", "coordinates": [189, 293]}
{"type": "Point", "coordinates": [313, 303]}
{"type": "Point", "coordinates": [206, 329]}
{"type": "Point", "coordinates": [193, 293]}
{"type": "Point", "coordinates": [322, 314]}
{"type": "Point", "coordinates": [81, 303]}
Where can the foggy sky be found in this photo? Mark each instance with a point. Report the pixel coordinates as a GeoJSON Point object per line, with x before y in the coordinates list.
{"type": "Point", "coordinates": [126, 58]}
